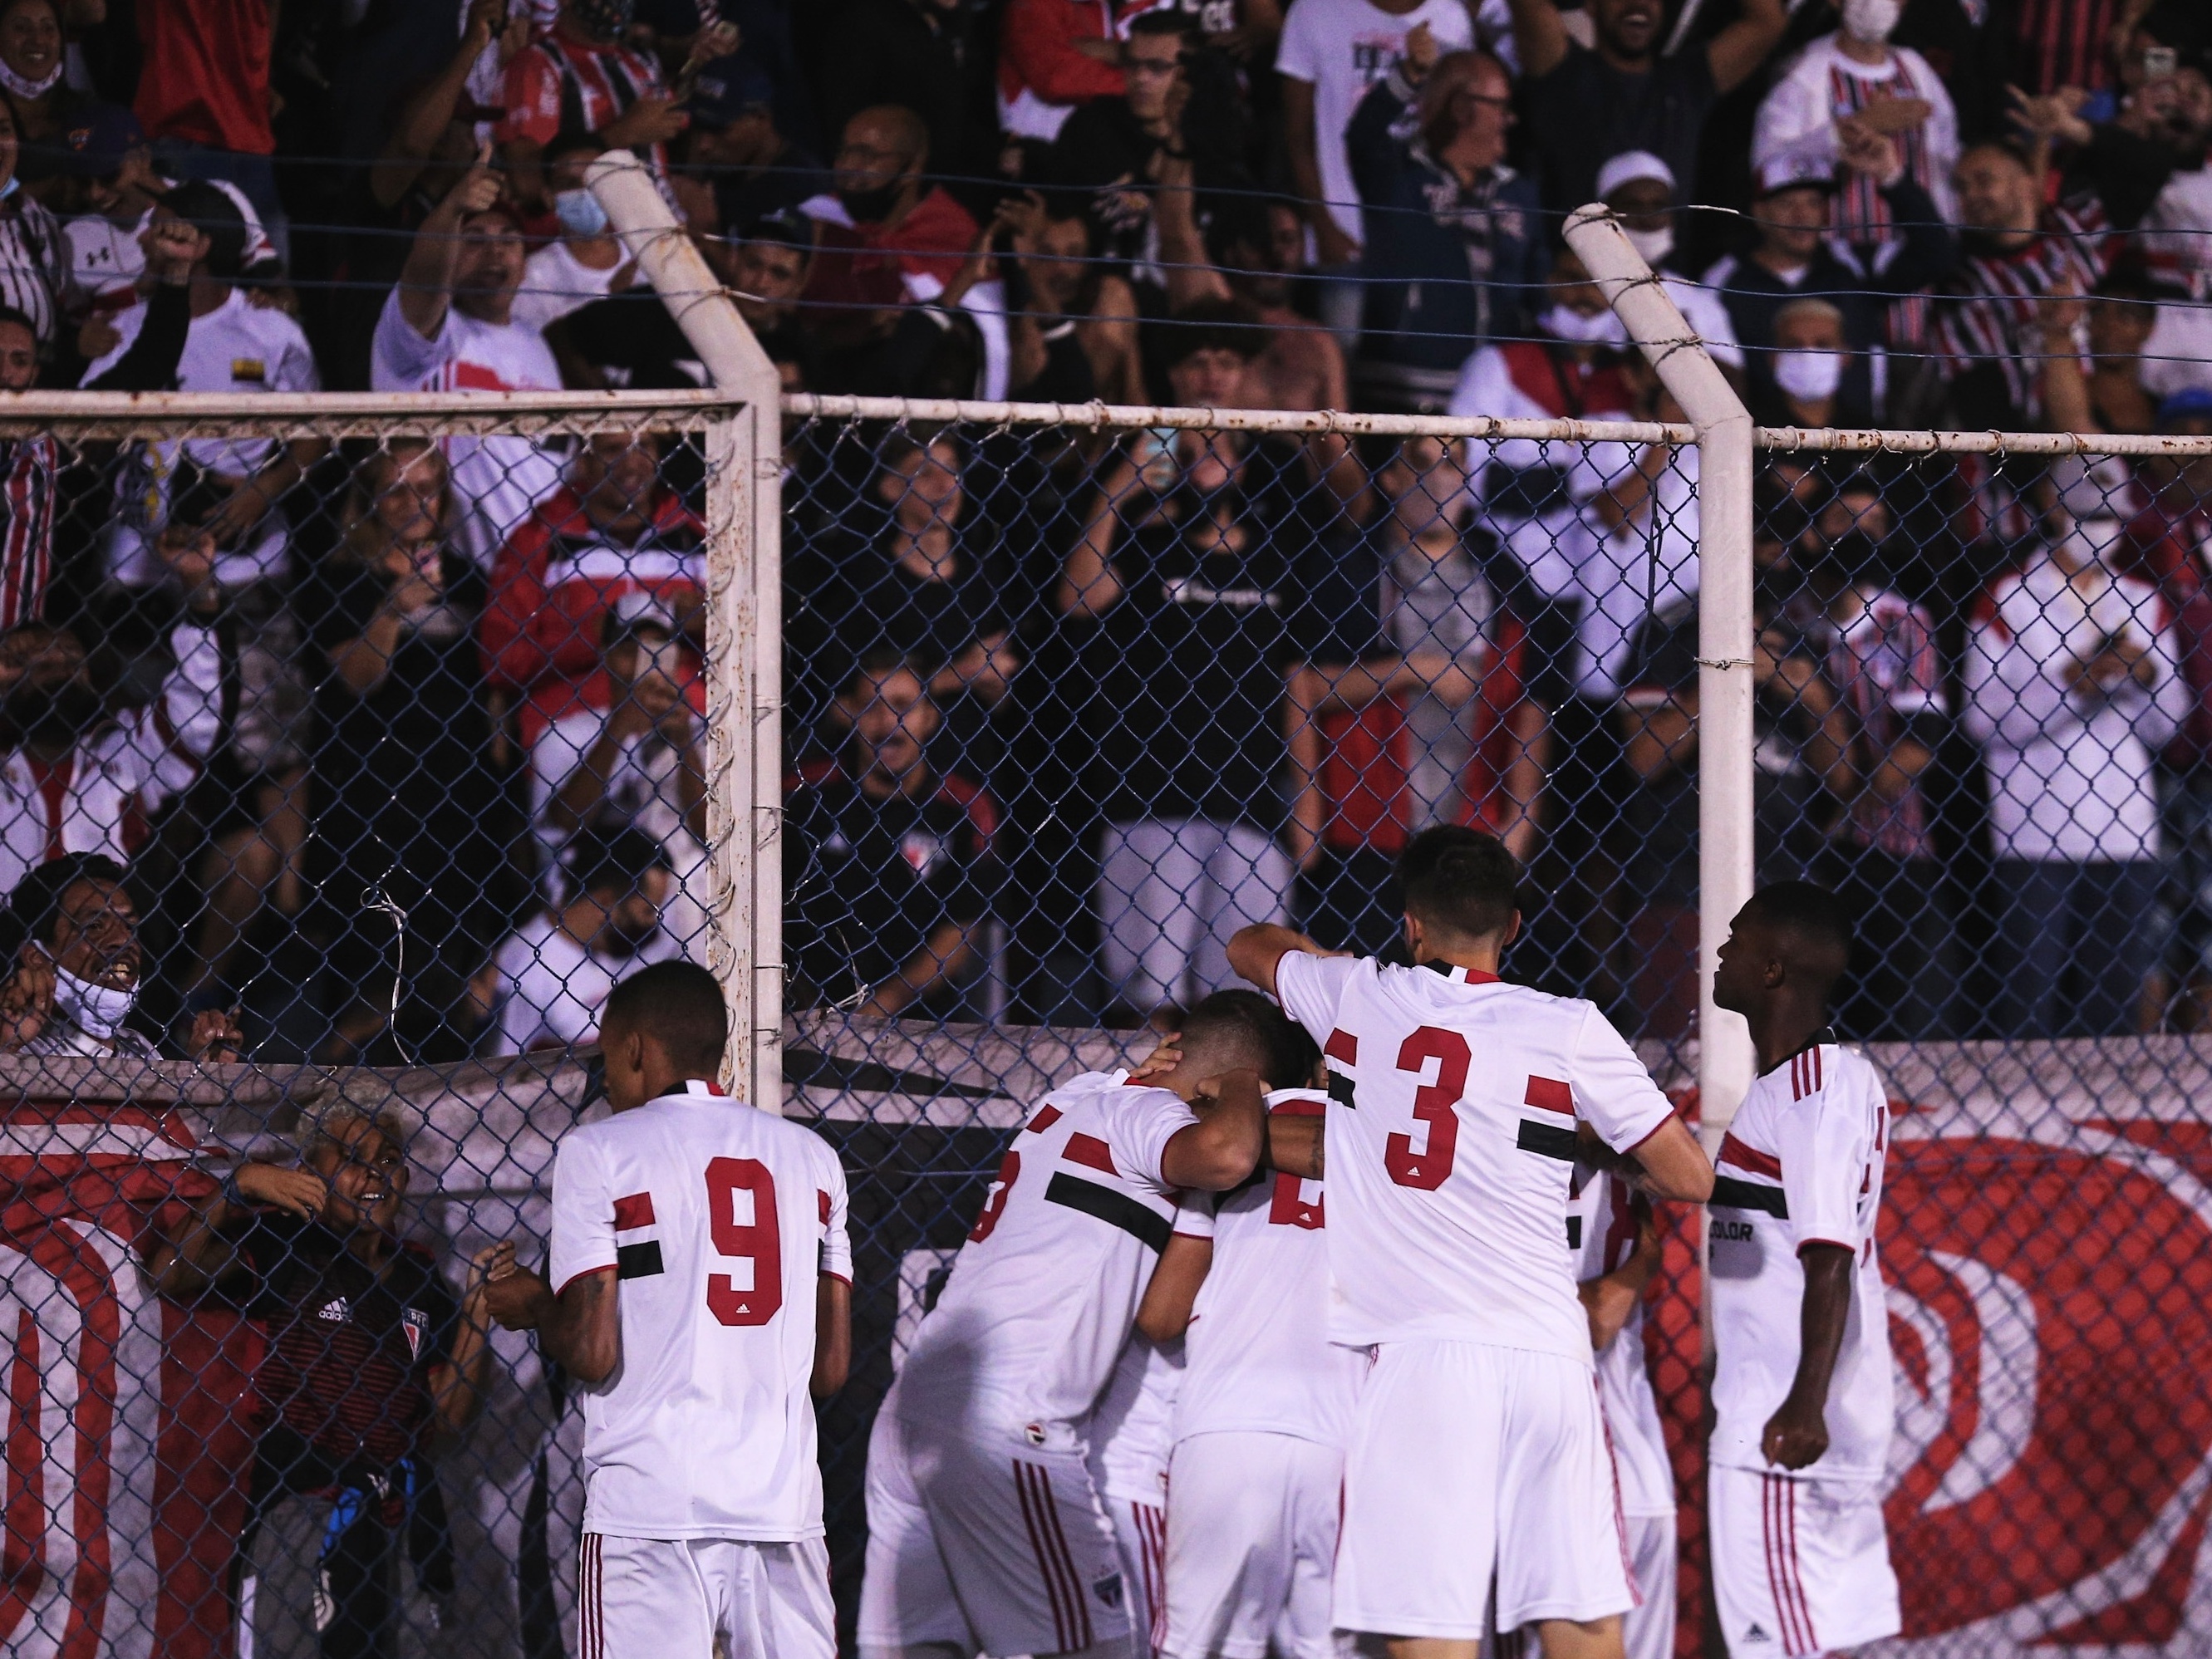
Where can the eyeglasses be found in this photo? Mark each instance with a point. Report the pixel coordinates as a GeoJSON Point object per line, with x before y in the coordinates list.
{"type": "Point", "coordinates": [1161, 67]}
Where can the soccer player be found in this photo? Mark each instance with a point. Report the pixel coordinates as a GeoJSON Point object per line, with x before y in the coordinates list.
{"type": "Point", "coordinates": [1128, 1437]}
{"type": "Point", "coordinates": [1260, 1425]}
{"type": "Point", "coordinates": [1612, 1227]}
{"type": "Point", "coordinates": [1802, 1396]}
{"type": "Point", "coordinates": [700, 1293]}
{"type": "Point", "coordinates": [986, 1529]}
{"type": "Point", "coordinates": [1477, 1451]}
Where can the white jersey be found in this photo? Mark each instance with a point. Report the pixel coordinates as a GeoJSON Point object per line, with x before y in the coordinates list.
{"type": "Point", "coordinates": [1601, 1225]}
{"type": "Point", "coordinates": [1131, 1428]}
{"type": "Point", "coordinates": [1044, 1293]}
{"type": "Point", "coordinates": [1802, 1165]}
{"type": "Point", "coordinates": [551, 988]}
{"type": "Point", "coordinates": [1257, 1356]}
{"type": "Point", "coordinates": [555, 282]}
{"type": "Point", "coordinates": [1453, 1102]}
{"type": "Point", "coordinates": [717, 1221]}
{"type": "Point", "coordinates": [106, 259]}
{"type": "Point", "coordinates": [497, 481]}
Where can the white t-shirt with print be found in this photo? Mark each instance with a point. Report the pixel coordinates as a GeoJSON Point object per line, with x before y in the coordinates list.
{"type": "Point", "coordinates": [238, 348]}
{"type": "Point", "coordinates": [551, 988]}
{"type": "Point", "coordinates": [1341, 48]}
{"type": "Point", "coordinates": [555, 282]}
{"type": "Point", "coordinates": [497, 481]}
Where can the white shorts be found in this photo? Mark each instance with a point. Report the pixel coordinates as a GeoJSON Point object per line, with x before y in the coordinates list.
{"type": "Point", "coordinates": [1800, 1566]}
{"type": "Point", "coordinates": [986, 1542]}
{"type": "Point", "coordinates": [1251, 1544]}
{"type": "Point", "coordinates": [651, 1598]}
{"type": "Point", "coordinates": [1647, 1630]}
{"type": "Point", "coordinates": [1140, 1528]}
{"type": "Point", "coordinates": [1468, 1460]}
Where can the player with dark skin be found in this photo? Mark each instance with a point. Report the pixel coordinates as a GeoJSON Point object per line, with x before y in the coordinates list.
{"type": "Point", "coordinates": [647, 1055]}
{"type": "Point", "coordinates": [1780, 979]}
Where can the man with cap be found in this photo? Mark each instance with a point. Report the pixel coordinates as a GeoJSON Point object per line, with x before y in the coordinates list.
{"type": "Point", "coordinates": [1639, 187]}
{"type": "Point", "coordinates": [1793, 256]}
{"type": "Point", "coordinates": [107, 200]}
{"type": "Point", "coordinates": [755, 168]}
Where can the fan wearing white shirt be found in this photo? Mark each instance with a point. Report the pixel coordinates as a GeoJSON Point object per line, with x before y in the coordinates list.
{"type": "Point", "coordinates": [700, 1293]}
{"type": "Point", "coordinates": [449, 325]}
{"type": "Point", "coordinates": [584, 263]}
{"type": "Point", "coordinates": [1476, 1473]}
{"type": "Point", "coordinates": [231, 345]}
{"type": "Point", "coordinates": [556, 970]}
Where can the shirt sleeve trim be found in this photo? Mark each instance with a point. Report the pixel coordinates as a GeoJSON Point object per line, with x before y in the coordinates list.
{"type": "Point", "coordinates": [1805, 1244]}
{"type": "Point", "coordinates": [846, 1280]}
{"type": "Point", "coordinates": [1671, 1115]}
{"type": "Point", "coordinates": [581, 1273]}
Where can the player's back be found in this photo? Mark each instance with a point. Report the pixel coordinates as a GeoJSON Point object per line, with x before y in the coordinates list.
{"type": "Point", "coordinates": [1454, 1099]}
{"type": "Point", "coordinates": [1802, 1163]}
{"type": "Point", "coordinates": [1257, 1356]}
{"type": "Point", "coordinates": [718, 1220]}
{"type": "Point", "coordinates": [1044, 1293]}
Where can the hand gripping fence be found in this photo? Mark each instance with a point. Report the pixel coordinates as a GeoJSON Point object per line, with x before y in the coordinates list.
{"type": "Point", "coordinates": [356, 746]}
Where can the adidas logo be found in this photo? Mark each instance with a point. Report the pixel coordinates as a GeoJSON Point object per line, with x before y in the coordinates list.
{"type": "Point", "coordinates": [334, 1309]}
{"type": "Point", "coordinates": [1755, 1634]}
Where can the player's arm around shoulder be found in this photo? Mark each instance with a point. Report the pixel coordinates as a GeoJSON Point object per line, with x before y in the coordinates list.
{"type": "Point", "coordinates": [1223, 1148]}
{"type": "Point", "coordinates": [1628, 1124]}
{"type": "Point", "coordinates": [1255, 951]}
{"type": "Point", "coordinates": [1165, 1314]}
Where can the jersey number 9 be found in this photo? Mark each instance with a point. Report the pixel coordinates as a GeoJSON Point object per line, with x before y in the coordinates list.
{"type": "Point", "coordinates": [759, 1241]}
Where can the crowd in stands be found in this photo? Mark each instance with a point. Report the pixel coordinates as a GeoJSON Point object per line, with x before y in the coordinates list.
{"type": "Point", "coordinates": [402, 746]}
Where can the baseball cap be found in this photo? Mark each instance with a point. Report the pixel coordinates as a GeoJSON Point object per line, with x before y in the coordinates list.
{"type": "Point", "coordinates": [2191, 403]}
{"type": "Point", "coordinates": [1629, 166]}
{"type": "Point", "coordinates": [95, 144]}
{"type": "Point", "coordinates": [726, 89]}
{"type": "Point", "coordinates": [1796, 168]}
{"type": "Point", "coordinates": [640, 611]}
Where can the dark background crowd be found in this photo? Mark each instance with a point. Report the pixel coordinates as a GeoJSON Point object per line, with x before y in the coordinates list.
{"type": "Point", "coordinates": [399, 745]}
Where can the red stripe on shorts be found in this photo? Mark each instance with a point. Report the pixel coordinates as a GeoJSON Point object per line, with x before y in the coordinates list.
{"type": "Point", "coordinates": [1054, 1590]}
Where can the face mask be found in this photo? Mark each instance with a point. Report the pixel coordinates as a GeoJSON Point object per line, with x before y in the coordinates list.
{"type": "Point", "coordinates": [1809, 376]}
{"type": "Point", "coordinates": [579, 212]}
{"type": "Point", "coordinates": [23, 88]}
{"type": "Point", "coordinates": [1563, 322]}
{"type": "Point", "coordinates": [9, 186]}
{"type": "Point", "coordinates": [1652, 245]}
{"type": "Point", "coordinates": [1871, 22]}
{"type": "Point", "coordinates": [870, 207]}
{"type": "Point", "coordinates": [98, 1011]}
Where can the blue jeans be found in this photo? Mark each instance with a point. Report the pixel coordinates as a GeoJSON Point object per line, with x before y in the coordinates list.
{"type": "Point", "coordinates": [2071, 945]}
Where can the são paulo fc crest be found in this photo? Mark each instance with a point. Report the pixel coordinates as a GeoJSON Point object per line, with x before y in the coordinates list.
{"type": "Point", "coordinates": [416, 1324]}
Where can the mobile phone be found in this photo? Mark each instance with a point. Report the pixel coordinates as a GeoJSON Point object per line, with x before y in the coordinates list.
{"type": "Point", "coordinates": [2159, 62]}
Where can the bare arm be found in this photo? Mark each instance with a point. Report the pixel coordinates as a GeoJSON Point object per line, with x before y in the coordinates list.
{"type": "Point", "coordinates": [1661, 738]}
{"type": "Point", "coordinates": [1669, 1163]}
{"type": "Point", "coordinates": [426, 281]}
{"type": "Point", "coordinates": [457, 1382]}
{"type": "Point", "coordinates": [1297, 1146]}
{"type": "Point", "coordinates": [424, 117]}
{"type": "Point", "coordinates": [1088, 585]}
{"type": "Point", "coordinates": [1540, 36]}
{"type": "Point", "coordinates": [1165, 1314]}
{"type": "Point", "coordinates": [1224, 1146]}
{"type": "Point", "coordinates": [1737, 51]}
{"type": "Point", "coordinates": [1192, 278]}
{"type": "Point", "coordinates": [833, 1335]}
{"type": "Point", "coordinates": [1299, 134]}
{"type": "Point", "coordinates": [1797, 1434]}
{"type": "Point", "coordinates": [578, 1330]}
{"type": "Point", "coordinates": [1610, 1298]}
{"type": "Point", "coordinates": [944, 954]}
{"type": "Point", "coordinates": [1525, 773]}
{"type": "Point", "coordinates": [1255, 950]}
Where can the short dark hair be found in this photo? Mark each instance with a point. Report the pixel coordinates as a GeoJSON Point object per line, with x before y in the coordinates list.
{"type": "Point", "coordinates": [1813, 920]}
{"type": "Point", "coordinates": [210, 211]}
{"type": "Point", "coordinates": [1461, 880]}
{"type": "Point", "coordinates": [1209, 326]}
{"type": "Point", "coordinates": [680, 1005]}
{"type": "Point", "coordinates": [600, 859]}
{"type": "Point", "coordinates": [1166, 20]}
{"type": "Point", "coordinates": [1257, 1030]}
{"type": "Point", "coordinates": [11, 314]}
{"type": "Point", "coordinates": [35, 905]}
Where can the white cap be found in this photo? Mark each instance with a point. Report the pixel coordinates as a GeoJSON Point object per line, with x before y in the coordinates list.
{"type": "Point", "coordinates": [641, 608]}
{"type": "Point", "coordinates": [1796, 167]}
{"type": "Point", "coordinates": [1629, 165]}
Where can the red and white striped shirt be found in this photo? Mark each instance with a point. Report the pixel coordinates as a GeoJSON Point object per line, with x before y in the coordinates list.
{"type": "Point", "coordinates": [30, 470]}
{"type": "Point", "coordinates": [564, 87]}
{"type": "Point", "coordinates": [2062, 43]}
{"type": "Point", "coordinates": [1992, 315]}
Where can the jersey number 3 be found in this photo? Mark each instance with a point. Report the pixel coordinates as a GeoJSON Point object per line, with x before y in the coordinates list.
{"type": "Point", "coordinates": [1434, 1104]}
{"type": "Point", "coordinates": [760, 1242]}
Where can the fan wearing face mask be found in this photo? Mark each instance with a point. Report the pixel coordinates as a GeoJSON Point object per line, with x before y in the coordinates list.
{"type": "Point", "coordinates": [75, 984]}
{"type": "Point", "coordinates": [1811, 378]}
{"type": "Point", "coordinates": [1639, 187]}
{"type": "Point", "coordinates": [1853, 83]}
{"type": "Point", "coordinates": [586, 261]}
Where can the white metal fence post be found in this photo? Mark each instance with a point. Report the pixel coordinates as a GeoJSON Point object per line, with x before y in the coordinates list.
{"type": "Point", "coordinates": [745, 622]}
{"type": "Point", "coordinates": [1725, 1064]}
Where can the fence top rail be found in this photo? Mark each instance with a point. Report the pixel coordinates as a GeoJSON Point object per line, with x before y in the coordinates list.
{"type": "Point", "coordinates": [119, 414]}
{"type": "Point", "coordinates": [1867, 441]}
{"type": "Point", "coordinates": [1098, 416]}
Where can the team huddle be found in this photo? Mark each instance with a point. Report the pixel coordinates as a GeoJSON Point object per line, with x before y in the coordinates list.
{"type": "Point", "coordinates": [1322, 1328]}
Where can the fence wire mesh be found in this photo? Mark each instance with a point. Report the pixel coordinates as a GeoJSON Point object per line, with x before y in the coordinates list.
{"type": "Point", "coordinates": [371, 750]}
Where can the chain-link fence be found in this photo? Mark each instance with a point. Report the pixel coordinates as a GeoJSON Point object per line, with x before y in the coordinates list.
{"type": "Point", "coordinates": [409, 729]}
